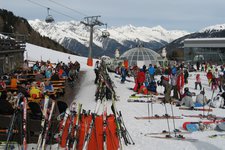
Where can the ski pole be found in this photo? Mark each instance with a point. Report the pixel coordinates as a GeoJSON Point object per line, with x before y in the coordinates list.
{"type": "Point", "coordinates": [173, 120]}
{"type": "Point", "coordinates": [151, 106]}
{"type": "Point", "coordinates": [211, 100]}
{"type": "Point", "coordinates": [167, 119]}
{"type": "Point", "coordinates": [203, 111]}
{"type": "Point", "coordinates": [148, 113]}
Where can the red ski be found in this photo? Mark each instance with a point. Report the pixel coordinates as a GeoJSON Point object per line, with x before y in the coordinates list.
{"type": "Point", "coordinates": [196, 109]}
{"type": "Point", "coordinates": [159, 117]}
{"type": "Point", "coordinates": [179, 137]}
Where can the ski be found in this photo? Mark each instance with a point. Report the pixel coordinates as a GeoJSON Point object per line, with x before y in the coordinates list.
{"type": "Point", "coordinates": [71, 125]}
{"type": "Point", "coordinates": [88, 135]}
{"type": "Point", "coordinates": [43, 122]}
{"type": "Point", "coordinates": [24, 123]}
{"type": "Point", "coordinates": [139, 101]}
{"type": "Point", "coordinates": [66, 115]}
{"type": "Point", "coordinates": [179, 137]}
{"type": "Point", "coordinates": [152, 94]}
{"type": "Point", "coordinates": [141, 96]}
{"type": "Point", "coordinates": [216, 135]}
{"type": "Point", "coordinates": [48, 124]}
{"type": "Point", "coordinates": [210, 117]}
{"type": "Point", "coordinates": [159, 117]}
{"type": "Point", "coordinates": [104, 115]}
{"type": "Point", "coordinates": [166, 132]}
{"type": "Point", "coordinates": [196, 109]}
{"type": "Point", "coordinates": [125, 134]}
{"type": "Point", "coordinates": [77, 127]}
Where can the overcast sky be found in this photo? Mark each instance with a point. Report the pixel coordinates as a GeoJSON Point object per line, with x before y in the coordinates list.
{"type": "Point", "coordinates": [189, 15]}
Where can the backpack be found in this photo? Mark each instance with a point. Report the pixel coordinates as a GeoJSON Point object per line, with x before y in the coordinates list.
{"type": "Point", "coordinates": [217, 102]}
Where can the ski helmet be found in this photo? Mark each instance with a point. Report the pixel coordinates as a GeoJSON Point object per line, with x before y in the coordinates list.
{"type": "Point", "coordinates": [186, 89]}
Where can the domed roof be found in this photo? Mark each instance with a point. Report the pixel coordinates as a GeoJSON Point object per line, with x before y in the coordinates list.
{"type": "Point", "coordinates": [141, 56]}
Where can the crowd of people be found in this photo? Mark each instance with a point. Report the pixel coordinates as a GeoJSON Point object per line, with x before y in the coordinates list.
{"type": "Point", "coordinates": [34, 81]}
{"type": "Point", "coordinates": [174, 79]}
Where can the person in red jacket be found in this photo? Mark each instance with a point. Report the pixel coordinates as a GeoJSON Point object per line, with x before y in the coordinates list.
{"type": "Point", "coordinates": [180, 83]}
{"type": "Point", "coordinates": [198, 82]}
{"type": "Point", "coordinates": [140, 78]}
{"type": "Point", "coordinates": [209, 76]}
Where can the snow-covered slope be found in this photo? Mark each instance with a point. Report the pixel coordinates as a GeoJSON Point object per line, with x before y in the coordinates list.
{"type": "Point", "coordinates": [137, 128]}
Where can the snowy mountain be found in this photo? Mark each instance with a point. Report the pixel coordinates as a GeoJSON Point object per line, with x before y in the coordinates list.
{"type": "Point", "coordinates": [75, 36]}
{"type": "Point", "coordinates": [217, 27]}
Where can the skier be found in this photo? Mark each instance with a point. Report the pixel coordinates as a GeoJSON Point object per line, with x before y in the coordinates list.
{"type": "Point", "coordinates": [96, 69]}
{"type": "Point", "coordinates": [214, 83]}
{"type": "Point", "coordinates": [198, 65]}
{"type": "Point", "coordinates": [186, 75]}
{"type": "Point", "coordinates": [187, 98]}
{"type": "Point", "coordinates": [13, 82]}
{"type": "Point", "coordinates": [167, 86]}
{"type": "Point", "coordinates": [151, 71]}
{"type": "Point", "coordinates": [35, 91]}
{"type": "Point", "coordinates": [198, 82]}
{"type": "Point", "coordinates": [221, 81]}
{"type": "Point", "coordinates": [209, 76]}
{"type": "Point", "coordinates": [201, 99]}
{"type": "Point", "coordinates": [48, 87]}
{"type": "Point", "coordinates": [123, 73]}
{"type": "Point", "coordinates": [140, 79]}
{"type": "Point", "coordinates": [180, 83]}
{"type": "Point", "coordinates": [217, 102]}
{"type": "Point", "coordinates": [174, 84]}
{"type": "Point", "coordinates": [71, 75]}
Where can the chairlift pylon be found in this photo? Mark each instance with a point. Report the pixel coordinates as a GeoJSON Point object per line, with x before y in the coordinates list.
{"type": "Point", "coordinates": [105, 33]}
{"type": "Point", "coordinates": [49, 18]}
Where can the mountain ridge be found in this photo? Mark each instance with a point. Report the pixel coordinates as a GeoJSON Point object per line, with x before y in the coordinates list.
{"type": "Point", "coordinates": [75, 36]}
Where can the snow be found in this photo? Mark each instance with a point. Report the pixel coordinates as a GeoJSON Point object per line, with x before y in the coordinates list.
{"type": "Point", "coordinates": [75, 30]}
{"type": "Point", "coordinates": [217, 27]}
{"type": "Point", "coordinates": [137, 128]}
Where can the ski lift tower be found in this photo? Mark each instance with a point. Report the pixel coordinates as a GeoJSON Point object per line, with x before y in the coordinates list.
{"type": "Point", "coordinates": [91, 22]}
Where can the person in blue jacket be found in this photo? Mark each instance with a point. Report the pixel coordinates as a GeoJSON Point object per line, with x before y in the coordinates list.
{"type": "Point", "coordinates": [151, 71]}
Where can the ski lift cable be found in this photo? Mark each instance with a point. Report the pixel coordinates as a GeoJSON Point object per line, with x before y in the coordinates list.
{"type": "Point", "coordinates": [68, 8]}
{"type": "Point", "coordinates": [64, 14]}
{"type": "Point", "coordinates": [52, 10]}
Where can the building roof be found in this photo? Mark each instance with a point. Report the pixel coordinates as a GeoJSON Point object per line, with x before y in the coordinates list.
{"type": "Point", "coordinates": [143, 54]}
{"type": "Point", "coordinates": [205, 42]}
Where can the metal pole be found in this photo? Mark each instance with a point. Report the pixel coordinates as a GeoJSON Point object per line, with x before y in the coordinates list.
{"type": "Point", "coordinates": [91, 22]}
{"type": "Point", "coordinates": [90, 42]}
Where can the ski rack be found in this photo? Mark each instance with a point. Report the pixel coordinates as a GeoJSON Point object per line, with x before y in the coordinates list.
{"type": "Point", "coordinates": [121, 128]}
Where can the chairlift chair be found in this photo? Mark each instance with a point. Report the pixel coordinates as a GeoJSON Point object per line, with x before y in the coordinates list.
{"type": "Point", "coordinates": [105, 33]}
{"type": "Point", "coordinates": [49, 18]}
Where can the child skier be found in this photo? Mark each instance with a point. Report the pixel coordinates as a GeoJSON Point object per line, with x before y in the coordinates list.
{"type": "Point", "coordinates": [198, 82]}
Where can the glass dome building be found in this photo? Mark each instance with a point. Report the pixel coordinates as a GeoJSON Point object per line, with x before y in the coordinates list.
{"type": "Point", "coordinates": [142, 56]}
